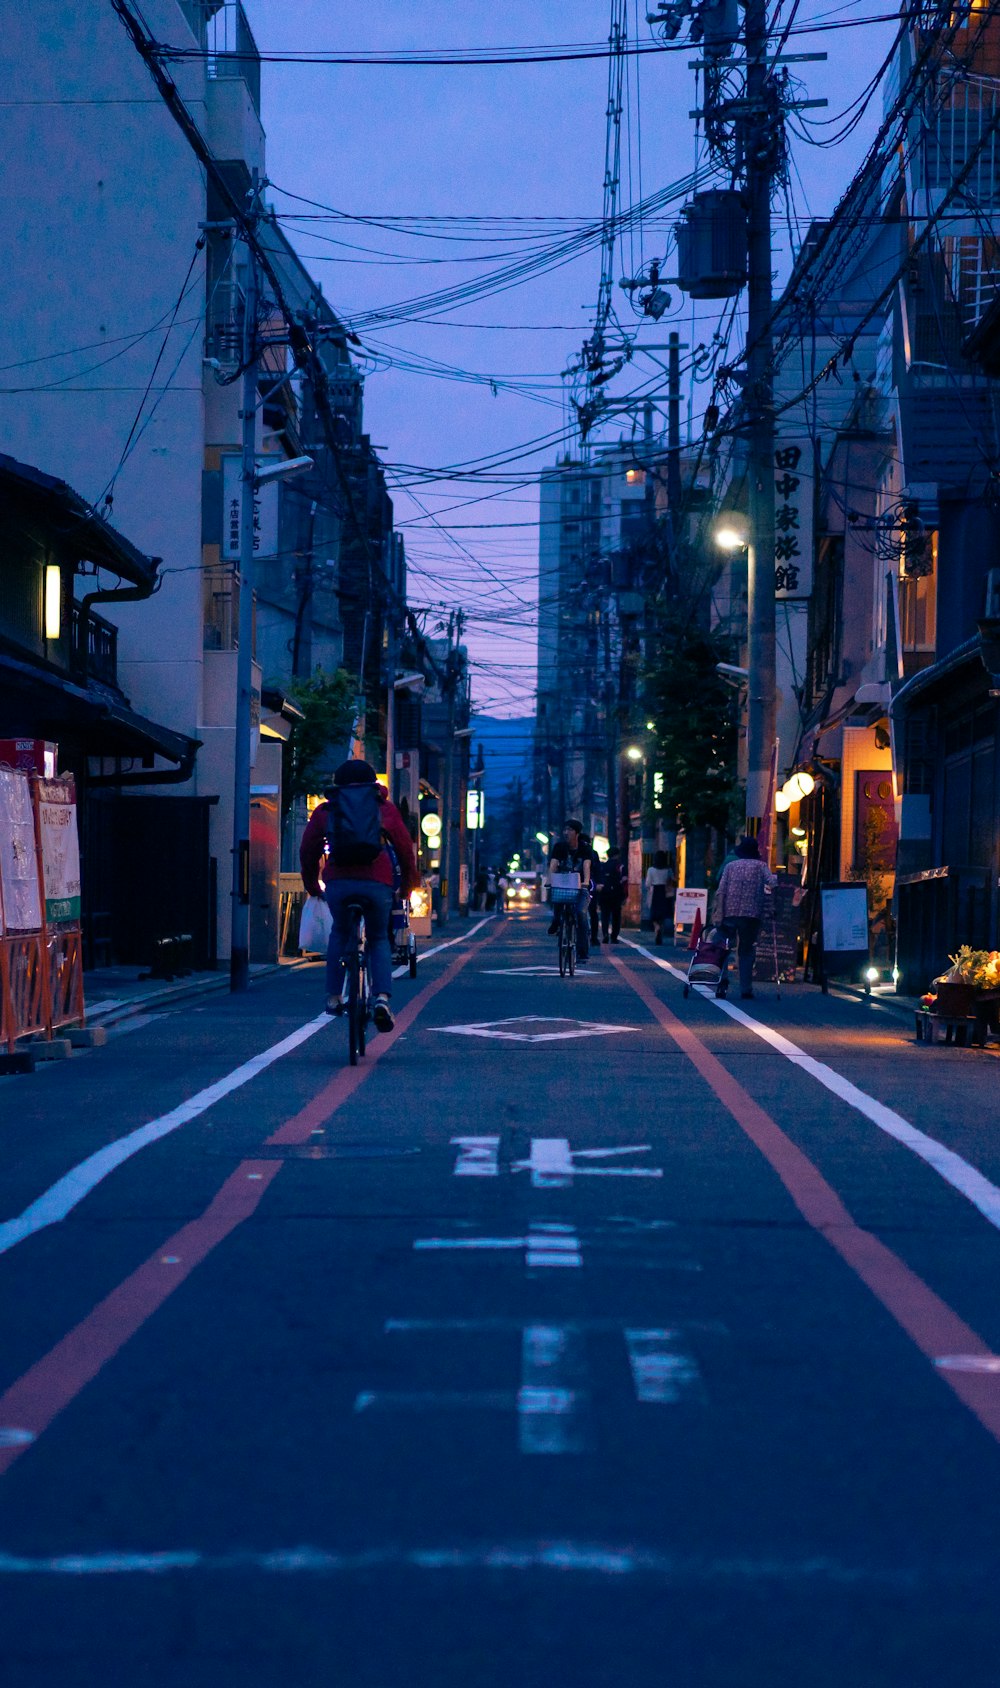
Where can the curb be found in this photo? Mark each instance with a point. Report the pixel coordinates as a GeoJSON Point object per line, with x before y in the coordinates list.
{"type": "Point", "coordinates": [177, 995]}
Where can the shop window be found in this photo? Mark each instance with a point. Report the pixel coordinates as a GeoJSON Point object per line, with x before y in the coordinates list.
{"type": "Point", "coordinates": [918, 603]}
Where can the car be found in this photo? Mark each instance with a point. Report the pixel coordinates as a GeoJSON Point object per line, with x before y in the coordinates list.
{"type": "Point", "coordinates": [522, 889]}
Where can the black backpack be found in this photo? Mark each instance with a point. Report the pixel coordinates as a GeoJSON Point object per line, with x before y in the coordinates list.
{"type": "Point", "coordinates": [354, 825]}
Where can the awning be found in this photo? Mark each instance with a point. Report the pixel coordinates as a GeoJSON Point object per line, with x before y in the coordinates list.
{"type": "Point", "coordinates": [37, 703]}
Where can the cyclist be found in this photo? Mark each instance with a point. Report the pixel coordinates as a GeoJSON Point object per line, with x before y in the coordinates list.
{"type": "Point", "coordinates": [352, 831]}
{"type": "Point", "coordinates": [574, 855]}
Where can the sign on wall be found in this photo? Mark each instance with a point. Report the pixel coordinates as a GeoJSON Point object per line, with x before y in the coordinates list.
{"type": "Point", "coordinates": [60, 850]}
{"type": "Point", "coordinates": [22, 909]}
{"type": "Point", "coordinates": [265, 513]}
{"type": "Point", "coordinates": [794, 478]}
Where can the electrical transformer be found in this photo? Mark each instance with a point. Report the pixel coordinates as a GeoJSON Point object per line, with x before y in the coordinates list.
{"type": "Point", "coordinates": [712, 245]}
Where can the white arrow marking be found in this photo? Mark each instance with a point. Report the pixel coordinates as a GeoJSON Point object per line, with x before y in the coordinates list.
{"type": "Point", "coordinates": [553, 1164]}
{"type": "Point", "coordinates": [477, 1157]}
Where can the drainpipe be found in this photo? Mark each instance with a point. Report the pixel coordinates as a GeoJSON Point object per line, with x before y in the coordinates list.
{"type": "Point", "coordinates": [112, 595]}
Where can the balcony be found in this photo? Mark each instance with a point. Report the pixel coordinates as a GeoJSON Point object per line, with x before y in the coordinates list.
{"type": "Point", "coordinates": [232, 50]}
{"type": "Point", "coordinates": [93, 646]}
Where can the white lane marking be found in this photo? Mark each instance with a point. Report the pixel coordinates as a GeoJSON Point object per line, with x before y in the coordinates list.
{"type": "Point", "coordinates": [969, 1362]}
{"type": "Point", "coordinates": [496, 1029]}
{"type": "Point", "coordinates": [661, 1371]}
{"type": "Point", "coordinates": [553, 1245]}
{"type": "Point", "coordinates": [64, 1195]}
{"type": "Point", "coordinates": [550, 1410]}
{"type": "Point", "coordinates": [535, 972]}
{"type": "Point", "coordinates": [433, 1400]}
{"type": "Point", "coordinates": [425, 955]}
{"type": "Point", "coordinates": [553, 1164]}
{"type": "Point", "coordinates": [966, 1179]}
{"type": "Point", "coordinates": [11, 1436]}
{"type": "Point", "coordinates": [588, 1559]}
{"type": "Point", "coordinates": [545, 1245]}
{"type": "Point", "coordinates": [478, 1157]}
{"type": "Point", "coordinates": [428, 1243]}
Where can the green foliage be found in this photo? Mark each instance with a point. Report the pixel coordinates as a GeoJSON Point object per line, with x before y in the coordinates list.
{"type": "Point", "coordinates": [319, 742]}
{"type": "Point", "coordinates": [695, 726]}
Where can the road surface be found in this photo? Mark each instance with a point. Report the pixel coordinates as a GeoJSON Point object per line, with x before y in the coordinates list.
{"type": "Point", "coordinates": [586, 1334]}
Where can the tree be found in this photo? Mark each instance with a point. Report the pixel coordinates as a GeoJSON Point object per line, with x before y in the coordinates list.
{"type": "Point", "coordinates": [319, 741]}
{"type": "Point", "coordinates": [696, 732]}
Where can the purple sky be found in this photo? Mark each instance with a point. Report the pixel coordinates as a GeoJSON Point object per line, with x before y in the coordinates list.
{"type": "Point", "coordinates": [519, 142]}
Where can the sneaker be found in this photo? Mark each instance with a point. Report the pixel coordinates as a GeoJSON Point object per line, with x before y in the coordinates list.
{"type": "Point", "coordinates": [335, 1005]}
{"type": "Point", "coordinates": [382, 1014]}
{"type": "Point", "coordinates": [553, 929]}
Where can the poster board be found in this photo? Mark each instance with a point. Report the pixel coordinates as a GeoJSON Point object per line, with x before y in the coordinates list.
{"type": "Point", "coordinates": [779, 933]}
{"type": "Point", "coordinates": [689, 900]}
{"type": "Point", "coordinates": [60, 850]}
{"type": "Point", "coordinates": [20, 898]}
{"type": "Point", "coordinates": [844, 911]}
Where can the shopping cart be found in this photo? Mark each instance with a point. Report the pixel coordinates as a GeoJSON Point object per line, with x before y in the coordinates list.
{"type": "Point", "coordinates": [710, 962]}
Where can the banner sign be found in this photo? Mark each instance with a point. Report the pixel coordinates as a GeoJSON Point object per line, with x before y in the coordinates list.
{"type": "Point", "coordinates": [689, 901]}
{"type": "Point", "coordinates": [22, 909]}
{"type": "Point", "coordinates": [265, 513]}
{"type": "Point", "coordinates": [60, 850]}
{"type": "Point", "coordinates": [794, 478]}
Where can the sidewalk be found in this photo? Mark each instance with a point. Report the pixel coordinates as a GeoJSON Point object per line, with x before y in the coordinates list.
{"type": "Point", "coordinates": [116, 993]}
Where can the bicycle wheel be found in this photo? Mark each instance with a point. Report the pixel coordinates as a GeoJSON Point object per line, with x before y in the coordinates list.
{"type": "Point", "coordinates": [364, 1004]}
{"type": "Point", "coordinates": [572, 949]}
{"type": "Point", "coordinates": [413, 956]}
{"type": "Point", "coordinates": [355, 1009]}
{"type": "Point", "coordinates": [563, 948]}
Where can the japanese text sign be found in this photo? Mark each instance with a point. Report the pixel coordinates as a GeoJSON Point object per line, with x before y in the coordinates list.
{"type": "Point", "coordinates": [794, 472]}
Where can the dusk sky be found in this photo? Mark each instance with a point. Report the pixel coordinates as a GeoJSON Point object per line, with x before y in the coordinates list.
{"type": "Point", "coordinates": [471, 167]}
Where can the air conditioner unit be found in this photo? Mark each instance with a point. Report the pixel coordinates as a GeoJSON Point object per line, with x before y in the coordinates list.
{"type": "Point", "coordinates": [992, 609]}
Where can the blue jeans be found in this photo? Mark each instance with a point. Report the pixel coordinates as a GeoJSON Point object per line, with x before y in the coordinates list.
{"type": "Point", "coordinates": [376, 902]}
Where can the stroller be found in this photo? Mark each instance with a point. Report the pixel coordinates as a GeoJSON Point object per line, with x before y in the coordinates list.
{"type": "Point", "coordinates": [710, 962]}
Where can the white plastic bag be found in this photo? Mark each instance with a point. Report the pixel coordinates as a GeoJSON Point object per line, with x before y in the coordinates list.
{"type": "Point", "coordinates": [315, 926]}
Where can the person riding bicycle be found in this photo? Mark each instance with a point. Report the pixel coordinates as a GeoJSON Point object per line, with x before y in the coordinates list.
{"type": "Point", "coordinates": [351, 828]}
{"type": "Point", "coordinates": [574, 855]}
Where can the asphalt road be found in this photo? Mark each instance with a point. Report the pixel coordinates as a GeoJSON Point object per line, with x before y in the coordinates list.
{"type": "Point", "coordinates": [586, 1335]}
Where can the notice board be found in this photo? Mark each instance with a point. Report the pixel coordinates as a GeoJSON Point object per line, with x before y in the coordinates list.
{"type": "Point", "coordinates": [21, 902]}
{"type": "Point", "coordinates": [778, 944]}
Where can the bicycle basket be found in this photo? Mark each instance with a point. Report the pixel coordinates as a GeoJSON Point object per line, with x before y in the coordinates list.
{"type": "Point", "coordinates": [564, 888]}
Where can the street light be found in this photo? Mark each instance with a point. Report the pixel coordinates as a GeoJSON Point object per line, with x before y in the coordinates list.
{"type": "Point", "coordinates": [633, 753]}
{"type": "Point", "coordinates": [730, 533]}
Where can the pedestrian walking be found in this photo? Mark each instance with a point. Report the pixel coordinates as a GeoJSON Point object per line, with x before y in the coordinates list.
{"type": "Point", "coordinates": [614, 890]}
{"type": "Point", "coordinates": [351, 829]}
{"type": "Point", "coordinates": [739, 905]}
{"type": "Point", "coordinates": [661, 883]}
{"type": "Point", "coordinates": [597, 866]}
{"type": "Point", "coordinates": [480, 890]}
{"type": "Point", "coordinates": [503, 884]}
{"type": "Point", "coordinates": [491, 889]}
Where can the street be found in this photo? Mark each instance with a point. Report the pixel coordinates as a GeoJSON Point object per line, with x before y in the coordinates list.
{"type": "Point", "coordinates": [583, 1335]}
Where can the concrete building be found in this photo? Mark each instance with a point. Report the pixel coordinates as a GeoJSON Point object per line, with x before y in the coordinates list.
{"type": "Point", "coordinates": [120, 342]}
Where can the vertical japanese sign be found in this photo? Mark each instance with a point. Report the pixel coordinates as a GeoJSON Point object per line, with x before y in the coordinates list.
{"type": "Point", "coordinates": [60, 850]}
{"type": "Point", "coordinates": [265, 513]}
{"type": "Point", "coordinates": [22, 909]}
{"type": "Point", "coordinates": [794, 479]}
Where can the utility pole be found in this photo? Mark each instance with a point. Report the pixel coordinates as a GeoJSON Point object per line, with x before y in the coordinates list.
{"type": "Point", "coordinates": [448, 783]}
{"type": "Point", "coordinates": [674, 431]}
{"type": "Point", "coordinates": [239, 952]}
{"type": "Point", "coordinates": [761, 135]}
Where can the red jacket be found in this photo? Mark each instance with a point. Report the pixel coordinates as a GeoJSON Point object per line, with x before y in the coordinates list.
{"type": "Point", "coordinates": [313, 849]}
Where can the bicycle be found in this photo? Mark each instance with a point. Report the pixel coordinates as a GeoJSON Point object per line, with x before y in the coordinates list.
{"type": "Point", "coordinates": [567, 940]}
{"type": "Point", "coordinates": [357, 986]}
{"type": "Point", "coordinates": [564, 891]}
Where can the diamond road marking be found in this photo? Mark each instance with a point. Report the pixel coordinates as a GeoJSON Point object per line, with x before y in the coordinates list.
{"type": "Point", "coordinates": [537, 972]}
{"type": "Point", "coordinates": [497, 1029]}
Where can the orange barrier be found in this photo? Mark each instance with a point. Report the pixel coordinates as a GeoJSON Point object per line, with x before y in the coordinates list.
{"type": "Point", "coordinates": [41, 965]}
